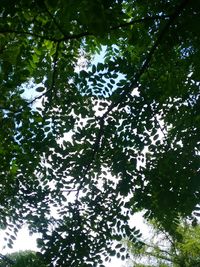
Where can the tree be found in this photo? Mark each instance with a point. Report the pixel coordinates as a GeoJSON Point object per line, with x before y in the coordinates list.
{"type": "Point", "coordinates": [21, 259]}
{"type": "Point", "coordinates": [164, 250]}
{"type": "Point", "coordinates": [60, 148]}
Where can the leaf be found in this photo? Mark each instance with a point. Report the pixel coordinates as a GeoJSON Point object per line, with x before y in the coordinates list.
{"type": "Point", "coordinates": [94, 69]}
{"type": "Point", "coordinates": [118, 246]}
{"type": "Point", "coordinates": [40, 89]}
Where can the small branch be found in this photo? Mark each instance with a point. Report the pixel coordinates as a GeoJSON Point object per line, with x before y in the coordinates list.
{"type": "Point", "coordinates": [53, 19]}
{"type": "Point", "coordinates": [35, 99]}
{"type": "Point", "coordinates": [159, 249]}
{"type": "Point", "coordinates": [99, 136]}
{"type": "Point", "coordinates": [55, 65]}
{"type": "Point", "coordinates": [95, 149]}
{"type": "Point", "coordinates": [151, 254]}
{"type": "Point", "coordinates": [145, 64]}
{"type": "Point", "coordinates": [123, 25]}
{"type": "Point", "coordinates": [160, 37]}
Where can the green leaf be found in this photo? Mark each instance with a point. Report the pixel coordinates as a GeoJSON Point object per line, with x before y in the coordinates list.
{"type": "Point", "coordinates": [94, 69]}
{"type": "Point", "coordinates": [40, 89]}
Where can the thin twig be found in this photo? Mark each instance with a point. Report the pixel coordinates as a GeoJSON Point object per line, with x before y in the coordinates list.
{"type": "Point", "coordinates": [148, 58]}
{"type": "Point", "coordinates": [95, 149]}
{"type": "Point", "coordinates": [54, 20]}
{"type": "Point", "coordinates": [55, 65]}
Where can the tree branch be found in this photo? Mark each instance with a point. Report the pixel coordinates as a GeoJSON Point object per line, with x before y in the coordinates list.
{"type": "Point", "coordinates": [151, 254]}
{"type": "Point", "coordinates": [53, 19]}
{"type": "Point", "coordinates": [148, 58]}
{"type": "Point", "coordinates": [95, 149]}
{"type": "Point", "coordinates": [55, 65]}
{"type": "Point", "coordinates": [157, 248]}
{"type": "Point", "coordinates": [82, 34]}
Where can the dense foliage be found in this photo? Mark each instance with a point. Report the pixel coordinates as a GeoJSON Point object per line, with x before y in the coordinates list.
{"type": "Point", "coordinates": [21, 259]}
{"type": "Point", "coordinates": [165, 251]}
{"type": "Point", "coordinates": [97, 138]}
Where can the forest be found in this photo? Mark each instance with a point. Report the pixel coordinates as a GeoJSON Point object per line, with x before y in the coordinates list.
{"type": "Point", "coordinates": [99, 120]}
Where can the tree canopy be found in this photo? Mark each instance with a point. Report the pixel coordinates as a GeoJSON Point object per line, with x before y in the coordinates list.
{"type": "Point", "coordinates": [21, 259]}
{"type": "Point", "coordinates": [163, 250]}
{"type": "Point", "coordinates": [97, 140]}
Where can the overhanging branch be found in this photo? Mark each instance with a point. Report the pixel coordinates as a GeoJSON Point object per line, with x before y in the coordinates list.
{"type": "Point", "coordinates": [148, 58]}
{"type": "Point", "coordinates": [53, 18]}
{"type": "Point", "coordinates": [82, 34]}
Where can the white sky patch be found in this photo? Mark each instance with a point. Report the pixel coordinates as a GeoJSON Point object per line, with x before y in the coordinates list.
{"type": "Point", "coordinates": [24, 241]}
{"type": "Point", "coordinates": [81, 64]}
{"type": "Point", "coordinates": [30, 93]}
